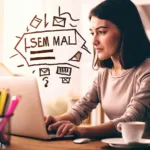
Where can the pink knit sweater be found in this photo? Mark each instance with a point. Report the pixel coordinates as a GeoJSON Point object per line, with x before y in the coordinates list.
{"type": "Point", "coordinates": [125, 97]}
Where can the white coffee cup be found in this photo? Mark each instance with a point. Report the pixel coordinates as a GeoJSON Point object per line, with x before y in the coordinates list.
{"type": "Point", "coordinates": [132, 132]}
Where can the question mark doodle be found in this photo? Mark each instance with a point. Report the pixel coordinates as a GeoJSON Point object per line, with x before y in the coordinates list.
{"type": "Point", "coordinates": [46, 79]}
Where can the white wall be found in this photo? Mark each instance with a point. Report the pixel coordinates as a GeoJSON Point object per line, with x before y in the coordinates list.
{"type": "Point", "coordinates": [1, 27]}
{"type": "Point", "coordinates": [18, 15]}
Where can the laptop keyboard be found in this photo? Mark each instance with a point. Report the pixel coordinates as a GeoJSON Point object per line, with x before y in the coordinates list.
{"type": "Point", "coordinates": [53, 134]}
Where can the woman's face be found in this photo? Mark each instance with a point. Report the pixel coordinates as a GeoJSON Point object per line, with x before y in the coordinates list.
{"type": "Point", "coordinates": [106, 38]}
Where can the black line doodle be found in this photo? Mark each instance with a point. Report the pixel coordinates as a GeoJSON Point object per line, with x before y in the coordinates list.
{"type": "Point", "coordinates": [64, 70]}
{"type": "Point", "coordinates": [41, 51]}
{"type": "Point", "coordinates": [45, 41]}
{"type": "Point", "coordinates": [83, 46]}
{"type": "Point", "coordinates": [41, 64]}
{"type": "Point", "coordinates": [20, 65]}
{"type": "Point", "coordinates": [68, 41]}
{"type": "Point", "coordinates": [45, 21]}
{"type": "Point", "coordinates": [18, 37]}
{"type": "Point", "coordinates": [35, 22]}
{"type": "Point", "coordinates": [44, 71]}
{"type": "Point", "coordinates": [67, 13]}
{"type": "Point", "coordinates": [40, 58]}
{"type": "Point", "coordinates": [46, 79]}
{"type": "Point", "coordinates": [73, 25]}
{"type": "Point", "coordinates": [13, 55]}
{"type": "Point", "coordinates": [36, 42]}
{"type": "Point", "coordinates": [27, 29]}
{"type": "Point", "coordinates": [65, 80]}
{"type": "Point", "coordinates": [33, 71]}
{"type": "Point", "coordinates": [59, 21]}
{"type": "Point", "coordinates": [55, 64]}
{"type": "Point", "coordinates": [76, 57]}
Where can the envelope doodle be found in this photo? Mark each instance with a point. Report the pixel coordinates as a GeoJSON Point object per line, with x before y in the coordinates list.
{"type": "Point", "coordinates": [66, 80]}
{"type": "Point", "coordinates": [59, 21]}
{"type": "Point", "coordinates": [44, 71]}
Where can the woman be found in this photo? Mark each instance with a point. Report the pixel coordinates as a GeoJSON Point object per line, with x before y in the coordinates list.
{"type": "Point", "coordinates": [122, 85]}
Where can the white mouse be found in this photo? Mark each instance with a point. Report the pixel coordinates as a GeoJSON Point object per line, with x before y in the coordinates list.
{"type": "Point", "coordinates": [81, 140]}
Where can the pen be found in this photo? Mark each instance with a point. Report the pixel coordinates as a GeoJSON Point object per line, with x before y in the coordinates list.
{"type": "Point", "coordinates": [6, 104]}
{"type": "Point", "coordinates": [3, 100]}
{"type": "Point", "coordinates": [0, 97]}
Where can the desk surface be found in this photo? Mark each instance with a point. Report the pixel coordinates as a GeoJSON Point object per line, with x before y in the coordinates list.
{"type": "Point", "coordinates": [19, 143]}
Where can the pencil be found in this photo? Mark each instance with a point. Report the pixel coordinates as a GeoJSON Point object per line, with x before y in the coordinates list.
{"type": "Point", "coordinates": [3, 100]}
{"type": "Point", "coordinates": [6, 104]}
{"type": "Point", "coordinates": [0, 97]}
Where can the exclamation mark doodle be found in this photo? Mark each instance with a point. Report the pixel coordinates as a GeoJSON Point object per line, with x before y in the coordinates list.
{"type": "Point", "coordinates": [46, 81]}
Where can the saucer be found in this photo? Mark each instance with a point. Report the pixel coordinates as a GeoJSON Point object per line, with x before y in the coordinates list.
{"type": "Point", "coordinates": [120, 143]}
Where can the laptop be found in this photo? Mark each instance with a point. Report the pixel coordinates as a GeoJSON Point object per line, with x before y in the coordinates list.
{"type": "Point", "coordinates": [28, 117]}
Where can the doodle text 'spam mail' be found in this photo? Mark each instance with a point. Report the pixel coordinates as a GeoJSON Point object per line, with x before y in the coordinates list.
{"type": "Point", "coordinates": [44, 46]}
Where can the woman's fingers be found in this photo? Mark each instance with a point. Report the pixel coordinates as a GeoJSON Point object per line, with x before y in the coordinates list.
{"type": "Point", "coordinates": [67, 129]}
{"type": "Point", "coordinates": [71, 131]}
{"type": "Point", "coordinates": [62, 127]}
{"type": "Point", "coordinates": [48, 120]}
{"type": "Point", "coordinates": [60, 130]}
{"type": "Point", "coordinates": [56, 125]}
{"type": "Point", "coordinates": [74, 131]}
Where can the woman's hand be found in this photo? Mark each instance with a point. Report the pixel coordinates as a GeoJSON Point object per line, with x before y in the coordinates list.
{"type": "Point", "coordinates": [49, 121]}
{"type": "Point", "coordinates": [65, 128]}
{"type": "Point", "coordinates": [64, 125]}
{"type": "Point", "coordinates": [68, 129]}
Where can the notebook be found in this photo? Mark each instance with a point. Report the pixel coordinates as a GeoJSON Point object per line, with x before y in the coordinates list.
{"type": "Point", "coordinates": [27, 120]}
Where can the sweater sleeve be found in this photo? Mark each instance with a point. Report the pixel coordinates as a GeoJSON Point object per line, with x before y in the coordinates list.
{"type": "Point", "coordinates": [139, 106]}
{"type": "Point", "coordinates": [86, 104]}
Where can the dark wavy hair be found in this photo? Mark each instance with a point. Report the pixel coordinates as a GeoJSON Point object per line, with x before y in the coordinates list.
{"type": "Point", "coordinates": [135, 45]}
